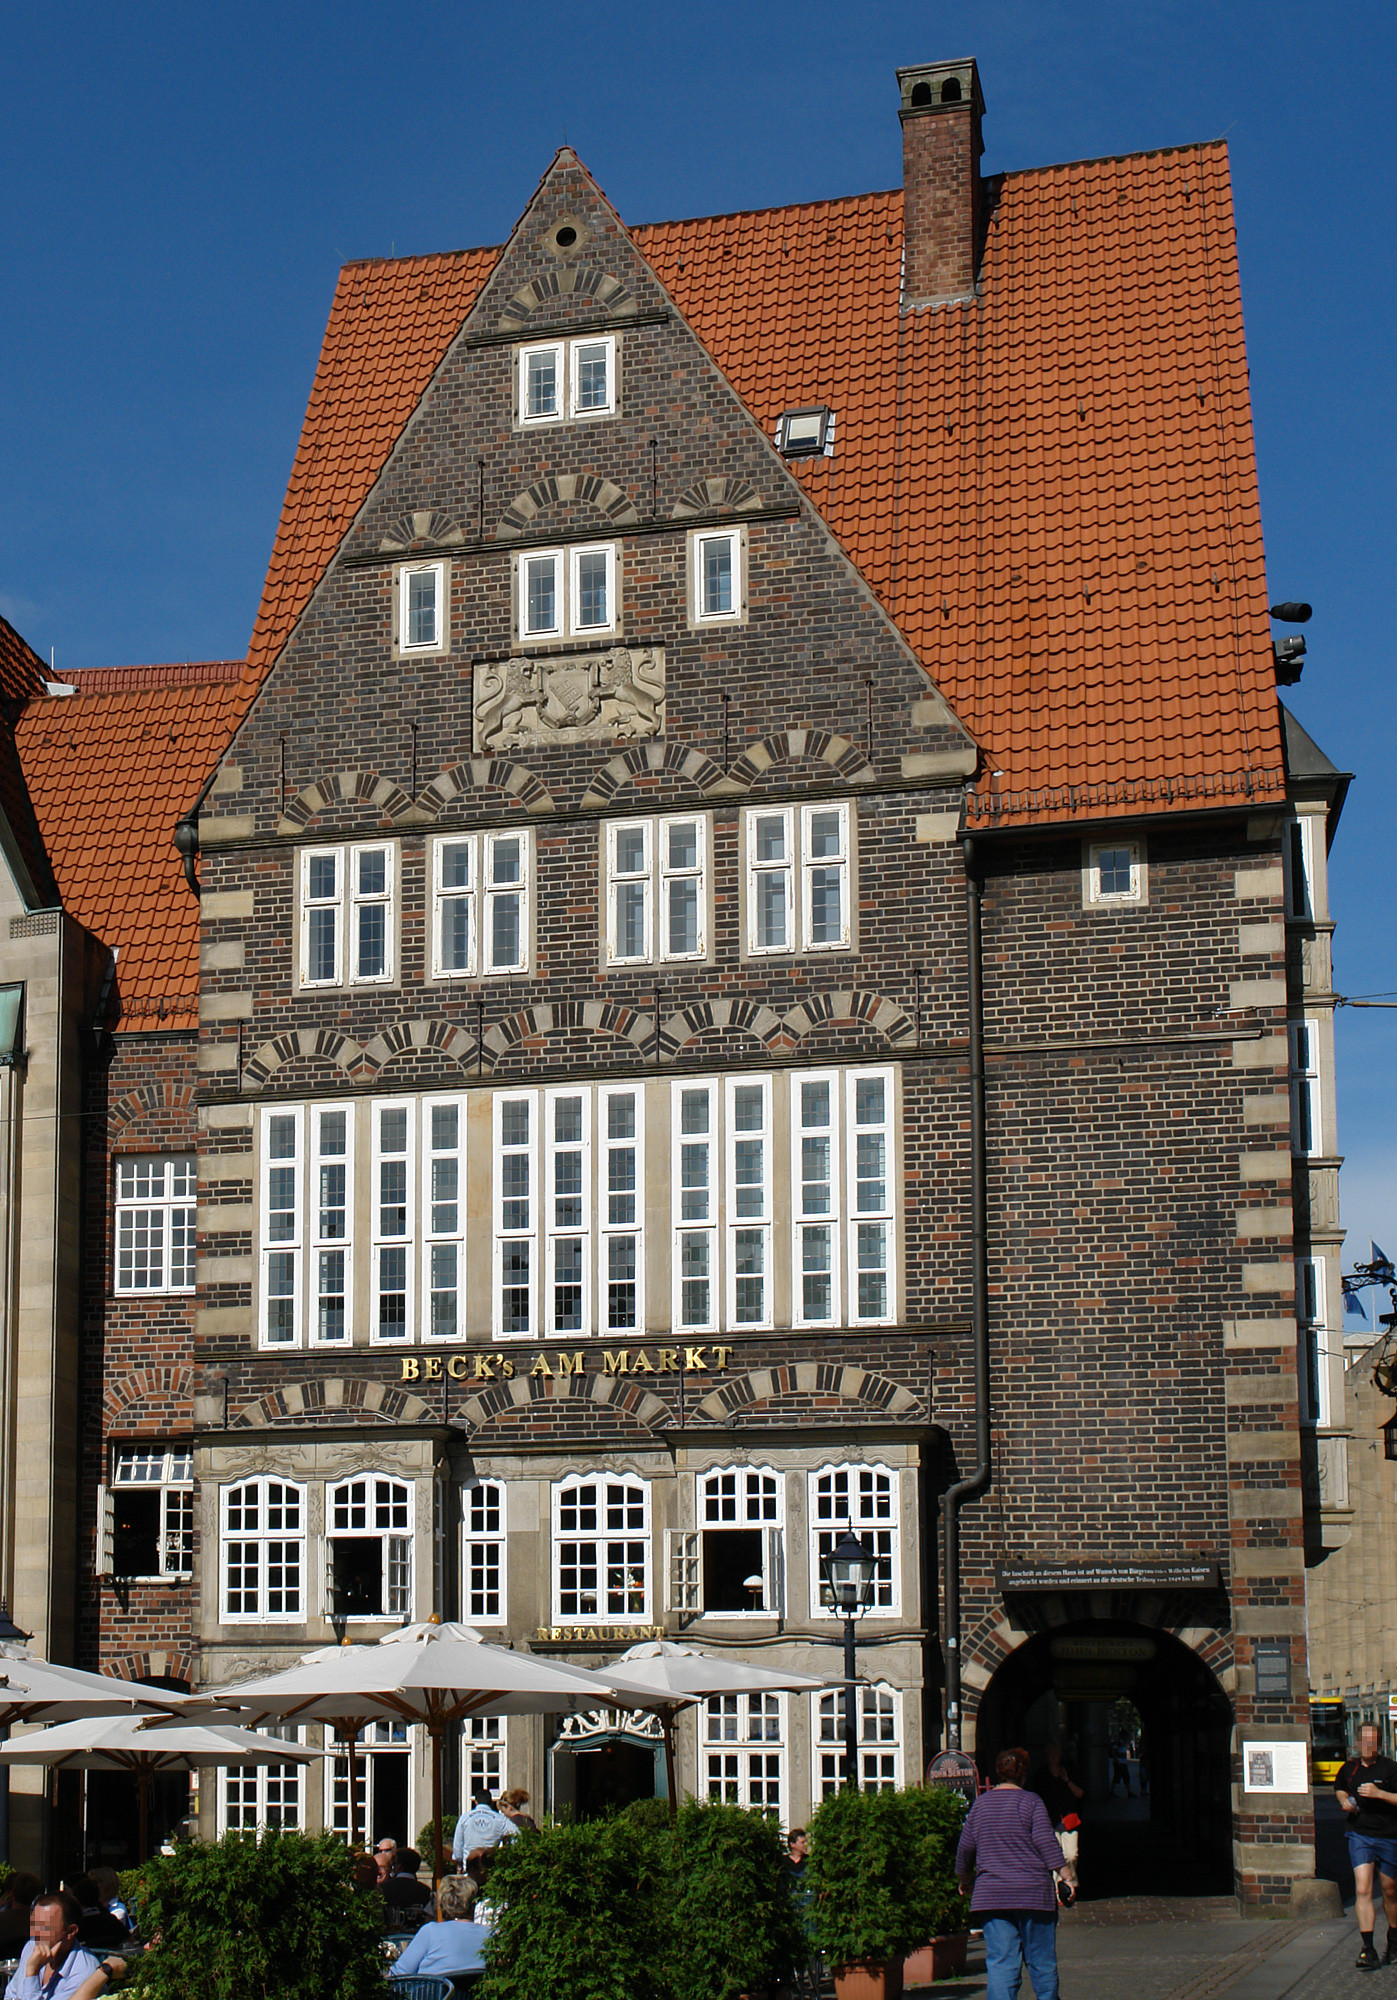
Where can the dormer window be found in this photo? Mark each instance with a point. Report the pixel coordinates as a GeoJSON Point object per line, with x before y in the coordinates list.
{"type": "Point", "coordinates": [807, 433]}
{"type": "Point", "coordinates": [559, 379]}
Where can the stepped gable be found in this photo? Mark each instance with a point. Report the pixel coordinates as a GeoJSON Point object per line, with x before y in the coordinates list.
{"type": "Point", "coordinates": [1051, 488]}
{"type": "Point", "coordinates": [110, 769]}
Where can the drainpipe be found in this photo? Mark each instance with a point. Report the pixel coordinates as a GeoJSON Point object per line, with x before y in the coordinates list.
{"type": "Point", "coordinates": [186, 835]}
{"type": "Point", "coordinates": [977, 1480]}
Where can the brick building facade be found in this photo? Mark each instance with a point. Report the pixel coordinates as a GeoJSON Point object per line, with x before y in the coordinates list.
{"type": "Point", "coordinates": [720, 688]}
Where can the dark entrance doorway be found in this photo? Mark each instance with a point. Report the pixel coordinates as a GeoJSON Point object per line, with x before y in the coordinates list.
{"type": "Point", "coordinates": [1093, 1684]}
{"type": "Point", "coordinates": [592, 1782]}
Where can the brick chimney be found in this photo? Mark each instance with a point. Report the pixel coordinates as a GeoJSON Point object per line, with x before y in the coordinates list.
{"type": "Point", "coordinates": [941, 191]}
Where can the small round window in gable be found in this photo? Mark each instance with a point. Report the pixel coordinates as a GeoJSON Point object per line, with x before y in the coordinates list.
{"type": "Point", "coordinates": [566, 236]}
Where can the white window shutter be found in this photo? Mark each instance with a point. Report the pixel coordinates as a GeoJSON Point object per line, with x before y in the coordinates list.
{"type": "Point", "coordinates": [399, 1576]}
{"type": "Point", "coordinates": [774, 1569]}
{"type": "Point", "coordinates": [683, 1569]}
{"type": "Point", "coordinates": [105, 1521]}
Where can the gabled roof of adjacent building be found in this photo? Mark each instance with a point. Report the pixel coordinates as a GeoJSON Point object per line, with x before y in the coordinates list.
{"type": "Point", "coordinates": [1052, 489]}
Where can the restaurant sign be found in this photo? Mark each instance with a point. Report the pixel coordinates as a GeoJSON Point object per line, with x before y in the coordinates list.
{"type": "Point", "coordinates": [1107, 1576]}
{"type": "Point", "coordinates": [454, 1367]}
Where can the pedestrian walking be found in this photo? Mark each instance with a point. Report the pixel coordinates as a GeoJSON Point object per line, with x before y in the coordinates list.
{"type": "Point", "coordinates": [1367, 1793]}
{"type": "Point", "coordinates": [1120, 1767]}
{"type": "Point", "coordinates": [1008, 1861]}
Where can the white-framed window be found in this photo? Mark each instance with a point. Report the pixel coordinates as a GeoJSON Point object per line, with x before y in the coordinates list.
{"type": "Point", "coordinates": [444, 1217]}
{"type": "Point", "coordinates": [1312, 1319]}
{"type": "Point", "coordinates": [806, 433]}
{"type": "Point", "coordinates": [656, 889]}
{"type": "Point", "coordinates": [601, 1550]}
{"type": "Point", "coordinates": [717, 576]}
{"type": "Point", "coordinates": [559, 379]}
{"type": "Point", "coordinates": [155, 1209]}
{"type": "Point", "coordinates": [262, 1532]}
{"type": "Point", "coordinates": [383, 1791]}
{"type": "Point", "coordinates": [1306, 1131]}
{"type": "Point", "coordinates": [1297, 860]}
{"type": "Point", "coordinates": [484, 1765]}
{"type": "Point", "coordinates": [421, 607]}
{"type": "Point", "coordinates": [1115, 872]}
{"type": "Point", "coordinates": [254, 1797]}
{"type": "Point", "coordinates": [869, 1160]}
{"type": "Point", "coordinates": [348, 924]}
{"type": "Point", "coordinates": [747, 1112]}
{"type": "Point", "coordinates": [878, 1709]}
{"type": "Point", "coordinates": [865, 1499]}
{"type": "Point", "coordinates": [150, 1504]}
{"type": "Point", "coordinates": [484, 1545]}
{"type": "Point", "coordinates": [368, 1547]}
{"type": "Point", "coordinates": [393, 1220]}
{"type": "Point", "coordinates": [621, 1140]}
{"type": "Point", "coordinates": [481, 890]}
{"type": "Point", "coordinates": [816, 1193]}
{"type": "Point", "coordinates": [332, 1137]}
{"type": "Point", "coordinates": [694, 1180]}
{"type": "Point", "coordinates": [744, 1751]}
{"type": "Point", "coordinates": [567, 593]}
{"type": "Point", "coordinates": [516, 1215]}
{"type": "Point", "coordinates": [741, 1514]}
{"type": "Point", "coordinates": [799, 878]}
{"type": "Point", "coordinates": [282, 1226]}
{"type": "Point", "coordinates": [568, 1219]}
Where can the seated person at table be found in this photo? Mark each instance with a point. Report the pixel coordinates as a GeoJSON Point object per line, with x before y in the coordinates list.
{"type": "Point", "coordinates": [53, 1965]}
{"type": "Point", "coordinates": [405, 1896]}
{"type": "Point", "coordinates": [450, 1947]}
{"type": "Point", "coordinates": [14, 1913]}
{"type": "Point", "coordinates": [99, 1929]}
{"type": "Point", "coordinates": [109, 1892]}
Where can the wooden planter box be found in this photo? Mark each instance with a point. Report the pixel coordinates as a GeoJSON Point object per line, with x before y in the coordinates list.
{"type": "Point", "coordinates": [943, 1958]}
{"type": "Point", "coordinates": [869, 1979]}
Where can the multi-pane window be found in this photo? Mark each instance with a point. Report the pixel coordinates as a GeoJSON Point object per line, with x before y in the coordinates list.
{"type": "Point", "coordinates": [567, 593]}
{"type": "Point", "coordinates": [331, 1130]}
{"type": "Point", "coordinates": [694, 1177]}
{"type": "Point", "coordinates": [1311, 1312]}
{"type": "Point", "coordinates": [421, 607]}
{"type": "Point", "coordinates": [744, 1750]}
{"type": "Point", "coordinates": [444, 1217]}
{"type": "Point", "coordinates": [863, 1498]}
{"type": "Point", "coordinates": [282, 1226]}
{"type": "Point", "coordinates": [368, 1547]}
{"type": "Point", "coordinates": [483, 1547]}
{"type": "Point", "coordinates": [569, 1210]}
{"type": "Point", "coordinates": [483, 1743]}
{"type": "Point", "coordinates": [592, 1239]}
{"type": "Point", "coordinates": [741, 1512]}
{"type": "Point", "coordinates": [621, 1142]}
{"type": "Point", "coordinates": [347, 920]}
{"type": "Point", "coordinates": [480, 903]}
{"type": "Point", "coordinates": [656, 890]}
{"type": "Point", "coordinates": [383, 1781]}
{"type": "Point", "coordinates": [799, 878]}
{"type": "Point", "coordinates": [749, 1201]}
{"type": "Point", "coordinates": [516, 1214]}
{"type": "Point", "coordinates": [1297, 858]}
{"type": "Point", "coordinates": [263, 1544]}
{"type": "Point", "coordinates": [393, 1221]}
{"type": "Point", "coordinates": [151, 1502]}
{"type": "Point", "coordinates": [567, 378]}
{"type": "Point", "coordinates": [155, 1223]}
{"type": "Point", "coordinates": [1115, 872]}
{"type": "Point", "coordinates": [878, 1711]}
{"type": "Point", "coordinates": [1305, 1130]}
{"type": "Point", "coordinates": [716, 576]}
{"type": "Point", "coordinates": [601, 1550]}
{"type": "Point", "coordinates": [868, 1154]}
{"type": "Point", "coordinates": [253, 1797]}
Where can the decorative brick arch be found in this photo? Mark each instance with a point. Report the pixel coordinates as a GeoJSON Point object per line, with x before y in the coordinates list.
{"type": "Point", "coordinates": [866, 1009]}
{"type": "Point", "coordinates": [597, 1017]}
{"type": "Point", "coordinates": [354, 788]}
{"type": "Point", "coordinates": [647, 760]}
{"type": "Point", "coordinates": [442, 1036]}
{"type": "Point", "coordinates": [711, 496]}
{"type": "Point", "coordinates": [706, 1017]}
{"type": "Point", "coordinates": [585, 488]}
{"type": "Point", "coordinates": [787, 746]}
{"type": "Point", "coordinates": [829, 1381]}
{"type": "Point", "coordinates": [494, 774]}
{"type": "Point", "coordinates": [993, 1640]}
{"type": "Point", "coordinates": [318, 1044]}
{"type": "Point", "coordinates": [146, 1396]}
{"type": "Point", "coordinates": [569, 280]}
{"type": "Point", "coordinates": [331, 1397]}
{"type": "Point", "coordinates": [158, 1664]}
{"type": "Point", "coordinates": [151, 1100]}
{"type": "Point", "coordinates": [518, 1398]}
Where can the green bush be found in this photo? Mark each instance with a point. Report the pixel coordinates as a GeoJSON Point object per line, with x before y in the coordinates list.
{"type": "Point", "coordinates": [582, 1911]}
{"type": "Point", "coordinates": [246, 1919]}
{"type": "Point", "coordinates": [863, 1901]}
{"type": "Point", "coordinates": [737, 1923]}
{"type": "Point", "coordinates": [932, 1817]}
{"type": "Point", "coordinates": [652, 1814]}
{"type": "Point", "coordinates": [423, 1843]}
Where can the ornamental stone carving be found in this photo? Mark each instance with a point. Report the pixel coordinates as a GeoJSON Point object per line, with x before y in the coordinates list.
{"type": "Point", "coordinates": [582, 698]}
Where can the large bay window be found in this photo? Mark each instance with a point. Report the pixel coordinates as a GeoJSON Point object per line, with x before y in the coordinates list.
{"type": "Point", "coordinates": [262, 1532]}
{"type": "Point", "coordinates": [864, 1498]}
{"type": "Point", "coordinates": [601, 1550]}
{"type": "Point", "coordinates": [368, 1547]}
{"type": "Point", "coordinates": [731, 1565]}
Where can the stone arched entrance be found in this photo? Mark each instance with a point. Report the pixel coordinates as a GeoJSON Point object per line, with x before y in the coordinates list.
{"type": "Point", "coordinates": [1063, 1684]}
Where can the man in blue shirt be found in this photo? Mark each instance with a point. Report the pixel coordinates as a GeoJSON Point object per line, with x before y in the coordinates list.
{"type": "Point", "coordinates": [53, 1965]}
{"type": "Point", "coordinates": [481, 1827]}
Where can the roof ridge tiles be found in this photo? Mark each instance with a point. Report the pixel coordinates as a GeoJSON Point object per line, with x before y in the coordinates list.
{"type": "Point", "coordinates": [123, 680]}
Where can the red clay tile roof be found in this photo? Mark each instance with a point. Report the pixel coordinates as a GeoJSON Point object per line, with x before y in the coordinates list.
{"type": "Point", "coordinates": [22, 672]}
{"type": "Point", "coordinates": [1053, 492]}
{"type": "Point", "coordinates": [110, 770]}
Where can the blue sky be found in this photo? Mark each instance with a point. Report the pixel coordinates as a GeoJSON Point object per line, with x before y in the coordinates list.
{"type": "Point", "coordinates": [183, 182]}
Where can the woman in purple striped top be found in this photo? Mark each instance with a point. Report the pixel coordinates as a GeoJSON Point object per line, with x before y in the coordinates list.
{"type": "Point", "coordinates": [1010, 1854]}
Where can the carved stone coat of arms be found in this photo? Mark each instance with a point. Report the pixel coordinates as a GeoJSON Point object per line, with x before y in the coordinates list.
{"type": "Point", "coordinates": [616, 696]}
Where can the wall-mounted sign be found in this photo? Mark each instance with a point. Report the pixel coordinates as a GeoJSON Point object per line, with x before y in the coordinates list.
{"type": "Point", "coordinates": [596, 1635]}
{"type": "Point", "coordinates": [1107, 1576]}
{"type": "Point", "coordinates": [455, 1367]}
{"type": "Point", "coordinates": [1109, 1648]}
{"type": "Point", "coordinates": [1275, 1767]}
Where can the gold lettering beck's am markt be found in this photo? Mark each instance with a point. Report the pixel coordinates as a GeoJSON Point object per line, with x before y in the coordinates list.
{"type": "Point", "coordinates": [571, 1361]}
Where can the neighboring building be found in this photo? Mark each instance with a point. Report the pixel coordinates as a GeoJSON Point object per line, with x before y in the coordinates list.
{"type": "Point", "coordinates": [1353, 1587]}
{"type": "Point", "coordinates": [681, 645]}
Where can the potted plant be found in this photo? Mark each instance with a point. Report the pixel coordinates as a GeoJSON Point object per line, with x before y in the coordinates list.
{"type": "Point", "coordinates": [737, 1928]}
{"type": "Point", "coordinates": [933, 1817]}
{"type": "Point", "coordinates": [861, 1912]}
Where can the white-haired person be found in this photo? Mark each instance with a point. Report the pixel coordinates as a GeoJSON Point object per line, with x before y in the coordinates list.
{"type": "Point", "coordinates": [451, 1947]}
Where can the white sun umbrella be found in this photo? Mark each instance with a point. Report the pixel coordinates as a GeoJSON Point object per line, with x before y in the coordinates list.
{"type": "Point", "coordinates": [33, 1690]}
{"type": "Point", "coordinates": [434, 1674]}
{"type": "Point", "coordinates": [678, 1675]}
{"type": "Point", "coordinates": [147, 1745]}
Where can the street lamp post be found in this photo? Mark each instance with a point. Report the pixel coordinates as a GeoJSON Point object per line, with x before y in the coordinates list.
{"type": "Point", "coordinates": [849, 1572]}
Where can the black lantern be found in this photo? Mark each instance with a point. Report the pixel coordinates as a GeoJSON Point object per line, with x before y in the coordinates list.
{"type": "Point", "coordinates": [848, 1574]}
{"type": "Point", "coordinates": [10, 1633]}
